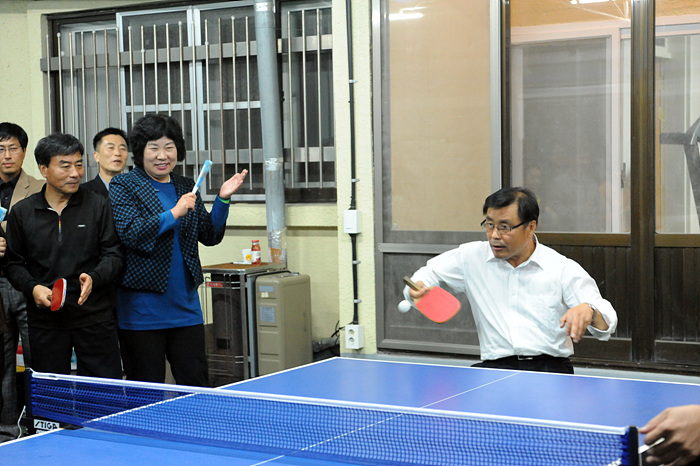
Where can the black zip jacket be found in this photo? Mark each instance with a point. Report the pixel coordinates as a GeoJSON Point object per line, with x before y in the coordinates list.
{"type": "Point", "coordinates": [43, 247]}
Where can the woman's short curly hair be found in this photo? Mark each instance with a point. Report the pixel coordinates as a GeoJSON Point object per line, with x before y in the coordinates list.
{"type": "Point", "coordinates": [151, 128]}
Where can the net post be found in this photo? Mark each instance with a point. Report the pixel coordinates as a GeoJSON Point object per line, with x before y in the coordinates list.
{"type": "Point", "coordinates": [633, 446]}
{"type": "Point", "coordinates": [28, 392]}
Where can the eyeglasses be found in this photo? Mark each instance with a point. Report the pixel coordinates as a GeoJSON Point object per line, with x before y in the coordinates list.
{"type": "Point", "coordinates": [14, 150]}
{"type": "Point", "coordinates": [502, 228]}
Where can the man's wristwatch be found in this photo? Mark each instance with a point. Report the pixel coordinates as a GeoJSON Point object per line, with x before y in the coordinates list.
{"type": "Point", "coordinates": [595, 312]}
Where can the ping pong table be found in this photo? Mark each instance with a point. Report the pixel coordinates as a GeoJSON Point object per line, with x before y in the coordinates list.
{"type": "Point", "coordinates": [538, 396]}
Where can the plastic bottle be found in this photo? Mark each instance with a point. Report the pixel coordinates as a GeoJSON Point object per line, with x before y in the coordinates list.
{"type": "Point", "coordinates": [255, 251]}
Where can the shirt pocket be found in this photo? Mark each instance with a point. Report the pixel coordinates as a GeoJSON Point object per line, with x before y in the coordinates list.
{"type": "Point", "coordinates": [543, 307]}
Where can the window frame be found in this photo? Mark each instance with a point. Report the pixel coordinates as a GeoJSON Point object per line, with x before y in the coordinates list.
{"type": "Point", "coordinates": [325, 192]}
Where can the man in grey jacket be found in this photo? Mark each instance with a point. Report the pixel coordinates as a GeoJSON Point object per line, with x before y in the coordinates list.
{"type": "Point", "coordinates": [15, 185]}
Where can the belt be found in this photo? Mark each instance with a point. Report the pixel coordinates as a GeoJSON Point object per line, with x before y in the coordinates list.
{"type": "Point", "coordinates": [535, 357]}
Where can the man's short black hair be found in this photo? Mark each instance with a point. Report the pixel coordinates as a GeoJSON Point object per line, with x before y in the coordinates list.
{"type": "Point", "coordinates": [528, 209]}
{"type": "Point", "coordinates": [56, 144]}
{"type": "Point", "coordinates": [12, 130]}
{"type": "Point", "coordinates": [106, 132]}
{"type": "Point", "coordinates": [151, 128]}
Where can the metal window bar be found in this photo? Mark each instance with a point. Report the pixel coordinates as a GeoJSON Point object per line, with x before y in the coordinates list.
{"type": "Point", "coordinates": [72, 83]}
{"type": "Point", "coordinates": [60, 86]}
{"type": "Point", "coordinates": [304, 74]}
{"type": "Point", "coordinates": [94, 78]}
{"type": "Point", "coordinates": [155, 66]}
{"type": "Point", "coordinates": [319, 98]}
{"type": "Point", "coordinates": [221, 101]}
{"type": "Point", "coordinates": [290, 99]}
{"type": "Point", "coordinates": [82, 78]}
{"type": "Point", "coordinates": [131, 76]}
{"type": "Point", "coordinates": [182, 75]}
{"type": "Point", "coordinates": [143, 73]}
{"type": "Point", "coordinates": [194, 96]}
{"type": "Point", "coordinates": [208, 83]}
{"type": "Point", "coordinates": [114, 66]}
{"type": "Point", "coordinates": [167, 66]}
{"type": "Point", "coordinates": [48, 81]}
{"type": "Point", "coordinates": [234, 56]}
{"type": "Point", "coordinates": [247, 74]}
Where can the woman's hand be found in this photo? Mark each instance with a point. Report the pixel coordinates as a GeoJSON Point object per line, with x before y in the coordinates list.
{"type": "Point", "coordinates": [231, 185]}
{"type": "Point", "coordinates": [184, 205]}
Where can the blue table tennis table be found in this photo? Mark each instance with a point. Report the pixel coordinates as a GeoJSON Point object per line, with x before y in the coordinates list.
{"type": "Point", "coordinates": [539, 396]}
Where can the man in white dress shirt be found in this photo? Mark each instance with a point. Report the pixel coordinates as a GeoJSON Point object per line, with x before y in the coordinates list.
{"type": "Point", "coordinates": [530, 303]}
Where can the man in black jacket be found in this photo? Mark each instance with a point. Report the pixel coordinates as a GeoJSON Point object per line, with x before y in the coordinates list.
{"type": "Point", "coordinates": [111, 154]}
{"type": "Point", "coordinates": [64, 232]}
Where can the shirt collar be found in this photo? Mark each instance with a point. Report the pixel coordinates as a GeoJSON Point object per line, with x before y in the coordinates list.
{"type": "Point", "coordinates": [12, 182]}
{"type": "Point", "coordinates": [103, 181]}
{"type": "Point", "coordinates": [536, 257]}
{"type": "Point", "coordinates": [40, 201]}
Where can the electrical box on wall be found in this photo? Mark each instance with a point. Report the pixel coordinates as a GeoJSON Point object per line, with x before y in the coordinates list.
{"type": "Point", "coordinates": [352, 221]}
{"type": "Point", "coordinates": [283, 318]}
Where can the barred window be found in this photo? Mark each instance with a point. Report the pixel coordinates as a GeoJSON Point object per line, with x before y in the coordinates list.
{"type": "Point", "coordinates": [199, 65]}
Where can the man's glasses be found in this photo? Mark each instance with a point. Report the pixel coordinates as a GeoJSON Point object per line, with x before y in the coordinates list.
{"type": "Point", "coordinates": [14, 150]}
{"type": "Point", "coordinates": [502, 228]}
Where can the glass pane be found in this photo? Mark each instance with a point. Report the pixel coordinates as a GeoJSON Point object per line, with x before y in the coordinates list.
{"type": "Point", "coordinates": [440, 113]}
{"type": "Point", "coordinates": [567, 110]}
{"type": "Point", "coordinates": [678, 117]}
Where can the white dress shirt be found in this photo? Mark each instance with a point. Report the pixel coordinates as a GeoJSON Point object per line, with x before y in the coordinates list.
{"type": "Point", "coordinates": [517, 309]}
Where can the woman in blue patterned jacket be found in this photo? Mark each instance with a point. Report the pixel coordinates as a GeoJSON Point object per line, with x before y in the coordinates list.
{"type": "Point", "coordinates": [160, 222]}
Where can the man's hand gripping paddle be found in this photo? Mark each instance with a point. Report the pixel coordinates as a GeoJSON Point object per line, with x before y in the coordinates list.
{"type": "Point", "coordinates": [58, 294]}
{"type": "Point", "coordinates": [437, 304]}
{"type": "Point", "coordinates": [202, 174]}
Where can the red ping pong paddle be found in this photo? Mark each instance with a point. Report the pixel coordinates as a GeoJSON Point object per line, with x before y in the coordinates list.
{"type": "Point", "coordinates": [437, 304]}
{"type": "Point", "coordinates": [58, 294]}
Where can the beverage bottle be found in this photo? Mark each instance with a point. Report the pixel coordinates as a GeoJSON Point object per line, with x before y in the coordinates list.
{"type": "Point", "coordinates": [255, 251]}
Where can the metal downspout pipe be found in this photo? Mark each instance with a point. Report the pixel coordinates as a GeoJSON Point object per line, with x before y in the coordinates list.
{"type": "Point", "coordinates": [270, 110]}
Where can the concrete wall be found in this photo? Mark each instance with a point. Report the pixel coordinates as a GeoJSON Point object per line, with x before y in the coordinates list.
{"type": "Point", "coordinates": [315, 245]}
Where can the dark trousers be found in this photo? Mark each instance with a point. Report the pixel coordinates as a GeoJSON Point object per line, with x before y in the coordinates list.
{"type": "Point", "coordinates": [16, 314]}
{"type": "Point", "coordinates": [144, 353]}
{"type": "Point", "coordinates": [540, 363]}
{"type": "Point", "coordinates": [96, 349]}
{"type": "Point", "coordinates": [2, 365]}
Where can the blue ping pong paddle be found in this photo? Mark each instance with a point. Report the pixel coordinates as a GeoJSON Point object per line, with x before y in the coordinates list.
{"type": "Point", "coordinates": [202, 174]}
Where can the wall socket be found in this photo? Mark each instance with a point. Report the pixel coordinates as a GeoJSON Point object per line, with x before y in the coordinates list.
{"type": "Point", "coordinates": [354, 336]}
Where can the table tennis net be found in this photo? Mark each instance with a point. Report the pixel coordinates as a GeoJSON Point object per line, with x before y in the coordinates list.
{"type": "Point", "coordinates": [321, 429]}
